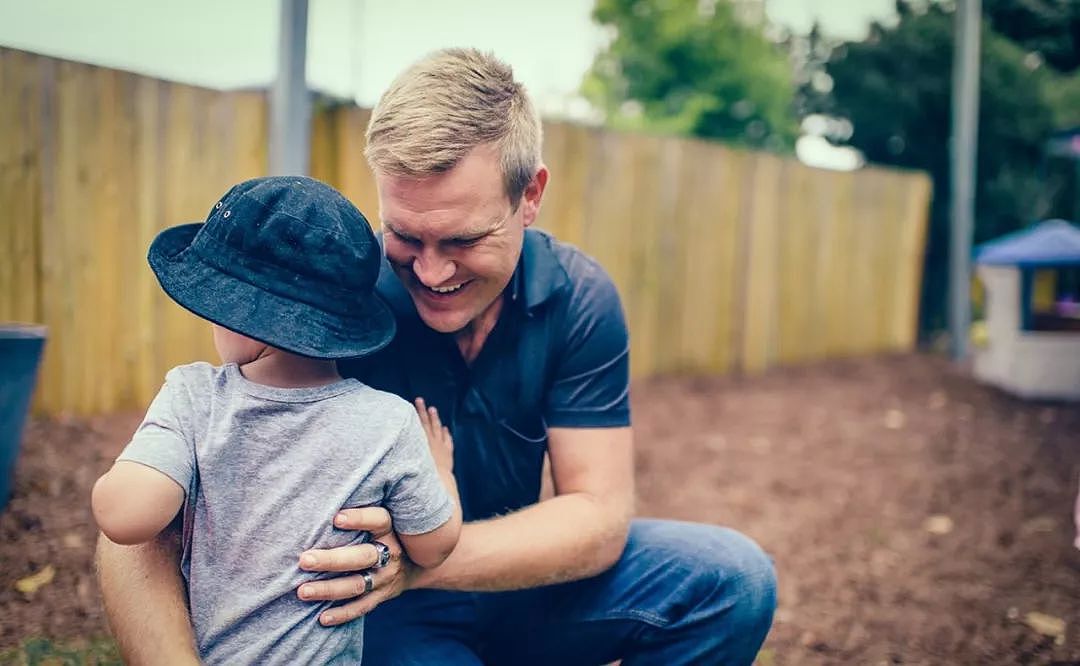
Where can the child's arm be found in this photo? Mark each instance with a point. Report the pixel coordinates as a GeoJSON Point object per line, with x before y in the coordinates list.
{"type": "Point", "coordinates": [431, 549]}
{"type": "Point", "coordinates": [145, 489]}
{"type": "Point", "coordinates": [133, 502]}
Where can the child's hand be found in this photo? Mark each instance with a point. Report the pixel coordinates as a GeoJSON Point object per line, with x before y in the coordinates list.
{"type": "Point", "coordinates": [442, 445]}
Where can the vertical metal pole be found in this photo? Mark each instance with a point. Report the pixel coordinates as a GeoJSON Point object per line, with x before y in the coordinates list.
{"type": "Point", "coordinates": [290, 106]}
{"type": "Point", "coordinates": [965, 126]}
{"type": "Point", "coordinates": [1075, 159]}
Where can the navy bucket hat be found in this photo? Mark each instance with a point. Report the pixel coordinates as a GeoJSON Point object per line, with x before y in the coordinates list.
{"type": "Point", "coordinates": [285, 260]}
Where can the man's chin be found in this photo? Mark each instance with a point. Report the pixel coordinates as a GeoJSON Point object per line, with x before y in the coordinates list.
{"type": "Point", "coordinates": [442, 322]}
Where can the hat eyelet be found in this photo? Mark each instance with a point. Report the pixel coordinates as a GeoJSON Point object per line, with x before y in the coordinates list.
{"type": "Point", "coordinates": [227, 214]}
{"type": "Point", "coordinates": [217, 205]}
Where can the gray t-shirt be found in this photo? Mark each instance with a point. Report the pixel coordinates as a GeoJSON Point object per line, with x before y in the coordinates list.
{"type": "Point", "coordinates": [265, 470]}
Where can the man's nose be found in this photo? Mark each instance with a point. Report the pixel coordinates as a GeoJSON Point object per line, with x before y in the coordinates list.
{"type": "Point", "coordinates": [432, 269]}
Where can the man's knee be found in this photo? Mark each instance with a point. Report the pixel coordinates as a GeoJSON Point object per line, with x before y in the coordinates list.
{"type": "Point", "coordinates": [751, 581]}
{"type": "Point", "coordinates": [729, 576]}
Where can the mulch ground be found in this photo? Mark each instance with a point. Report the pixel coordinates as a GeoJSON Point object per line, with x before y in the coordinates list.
{"type": "Point", "coordinates": [915, 517]}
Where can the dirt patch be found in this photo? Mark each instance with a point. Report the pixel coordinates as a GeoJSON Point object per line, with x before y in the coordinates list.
{"type": "Point", "coordinates": [915, 517]}
{"type": "Point", "coordinates": [47, 522]}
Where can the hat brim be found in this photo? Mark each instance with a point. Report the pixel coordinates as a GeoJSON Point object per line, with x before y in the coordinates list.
{"type": "Point", "coordinates": [262, 315]}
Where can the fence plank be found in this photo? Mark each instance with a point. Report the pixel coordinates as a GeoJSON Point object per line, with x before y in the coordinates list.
{"type": "Point", "coordinates": [355, 179]}
{"type": "Point", "coordinates": [762, 269]}
{"type": "Point", "coordinates": [912, 249]}
{"type": "Point", "coordinates": [19, 184]}
{"type": "Point", "coordinates": [796, 267]}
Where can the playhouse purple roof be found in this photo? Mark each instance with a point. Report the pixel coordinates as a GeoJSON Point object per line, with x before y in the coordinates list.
{"type": "Point", "coordinates": [1049, 243]}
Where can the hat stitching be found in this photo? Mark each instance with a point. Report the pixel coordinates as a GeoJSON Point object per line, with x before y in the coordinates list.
{"type": "Point", "coordinates": [333, 232]}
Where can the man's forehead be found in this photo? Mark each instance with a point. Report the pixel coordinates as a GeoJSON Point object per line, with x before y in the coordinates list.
{"type": "Point", "coordinates": [442, 222]}
{"type": "Point", "coordinates": [415, 211]}
{"type": "Point", "coordinates": [475, 179]}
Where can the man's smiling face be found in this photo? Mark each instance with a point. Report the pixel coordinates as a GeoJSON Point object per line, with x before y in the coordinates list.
{"type": "Point", "coordinates": [454, 238]}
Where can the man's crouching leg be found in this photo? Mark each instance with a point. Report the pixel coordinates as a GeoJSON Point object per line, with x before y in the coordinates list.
{"type": "Point", "coordinates": [682, 593]}
{"type": "Point", "coordinates": [710, 592]}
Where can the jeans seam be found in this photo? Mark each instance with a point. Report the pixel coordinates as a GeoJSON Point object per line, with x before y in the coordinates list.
{"type": "Point", "coordinates": [651, 619]}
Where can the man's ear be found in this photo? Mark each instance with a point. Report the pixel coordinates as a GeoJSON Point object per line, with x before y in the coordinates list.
{"type": "Point", "coordinates": [534, 192]}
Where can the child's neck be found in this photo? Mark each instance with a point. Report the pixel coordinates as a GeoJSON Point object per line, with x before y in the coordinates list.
{"type": "Point", "coordinates": [282, 369]}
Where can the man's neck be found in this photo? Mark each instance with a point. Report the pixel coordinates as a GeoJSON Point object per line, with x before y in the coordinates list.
{"type": "Point", "coordinates": [470, 340]}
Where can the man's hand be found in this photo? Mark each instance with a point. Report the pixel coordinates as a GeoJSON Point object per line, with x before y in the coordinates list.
{"type": "Point", "coordinates": [388, 582]}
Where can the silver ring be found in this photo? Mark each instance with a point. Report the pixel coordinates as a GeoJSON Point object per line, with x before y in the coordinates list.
{"type": "Point", "coordinates": [369, 581]}
{"type": "Point", "coordinates": [384, 554]}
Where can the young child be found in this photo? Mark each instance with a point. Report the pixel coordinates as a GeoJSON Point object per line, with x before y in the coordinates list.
{"type": "Point", "coordinates": [258, 455]}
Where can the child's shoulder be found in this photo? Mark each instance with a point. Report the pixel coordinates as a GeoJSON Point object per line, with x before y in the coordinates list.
{"type": "Point", "coordinates": [390, 405]}
{"type": "Point", "coordinates": [196, 375]}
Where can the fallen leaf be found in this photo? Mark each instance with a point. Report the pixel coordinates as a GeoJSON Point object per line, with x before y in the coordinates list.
{"type": "Point", "coordinates": [73, 540]}
{"type": "Point", "coordinates": [32, 584]}
{"type": "Point", "coordinates": [84, 590]}
{"type": "Point", "coordinates": [767, 657]}
{"type": "Point", "coordinates": [1047, 625]}
{"type": "Point", "coordinates": [894, 419]}
{"type": "Point", "coordinates": [938, 400]}
{"type": "Point", "coordinates": [716, 443]}
{"type": "Point", "coordinates": [939, 524]}
{"type": "Point", "coordinates": [965, 412]}
{"type": "Point", "coordinates": [1042, 524]}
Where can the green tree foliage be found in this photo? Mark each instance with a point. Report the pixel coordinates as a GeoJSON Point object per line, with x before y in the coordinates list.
{"type": "Point", "coordinates": [1050, 28]}
{"type": "Point", "coordinates": [895, 87]}
{"type": "Point", "coordinates": [691, 67]}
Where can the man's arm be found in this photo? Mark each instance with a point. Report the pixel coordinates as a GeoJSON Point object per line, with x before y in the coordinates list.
{"type": "Point", "coordinates": [141, 586]}
{"type": "Point", "coordinates": [576, 534]}
{"type": "Point", "coordinates": [144, 600]}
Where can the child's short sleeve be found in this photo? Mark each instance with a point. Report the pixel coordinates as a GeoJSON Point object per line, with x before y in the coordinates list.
{"type": "Point", "coordinates": [164, 440]}
{"type": "Point", "coordinates": [416, 498]}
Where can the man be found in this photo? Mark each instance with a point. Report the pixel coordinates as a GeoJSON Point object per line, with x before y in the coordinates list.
{"type": "Point", "coordinates": [520, 343]}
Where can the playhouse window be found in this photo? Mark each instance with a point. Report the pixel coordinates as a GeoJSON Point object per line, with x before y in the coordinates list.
{"type": "Point", "coordinates": [1055, 299]}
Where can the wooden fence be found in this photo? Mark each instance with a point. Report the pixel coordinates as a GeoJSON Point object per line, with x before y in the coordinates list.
{"type": "Point", "coordinates": [726, 260]}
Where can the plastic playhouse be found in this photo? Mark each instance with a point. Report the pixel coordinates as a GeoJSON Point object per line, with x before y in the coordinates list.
{"type": "Point", "coordinates": [1032, 288]}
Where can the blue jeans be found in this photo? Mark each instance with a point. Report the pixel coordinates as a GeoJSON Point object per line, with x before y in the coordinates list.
{"type": "Point", "coordinates": [682, 593]}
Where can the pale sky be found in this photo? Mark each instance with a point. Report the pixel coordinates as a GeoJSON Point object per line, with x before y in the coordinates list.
{"type": "Point", "coordinates": [847, 19]}
{"type": "Point", "coordinates": [355, 47]}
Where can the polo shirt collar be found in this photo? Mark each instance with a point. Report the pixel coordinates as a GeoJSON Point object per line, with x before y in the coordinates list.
{"type": "Point", "coordinates": [539, 275]}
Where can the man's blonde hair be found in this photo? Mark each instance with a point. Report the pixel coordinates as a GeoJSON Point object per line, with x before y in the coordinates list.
{"type": "Point", "coordinates": [447, 104]}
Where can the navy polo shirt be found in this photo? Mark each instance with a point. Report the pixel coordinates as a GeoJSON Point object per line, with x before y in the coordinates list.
{"type": "Point", "coordinates": [557, 357]}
